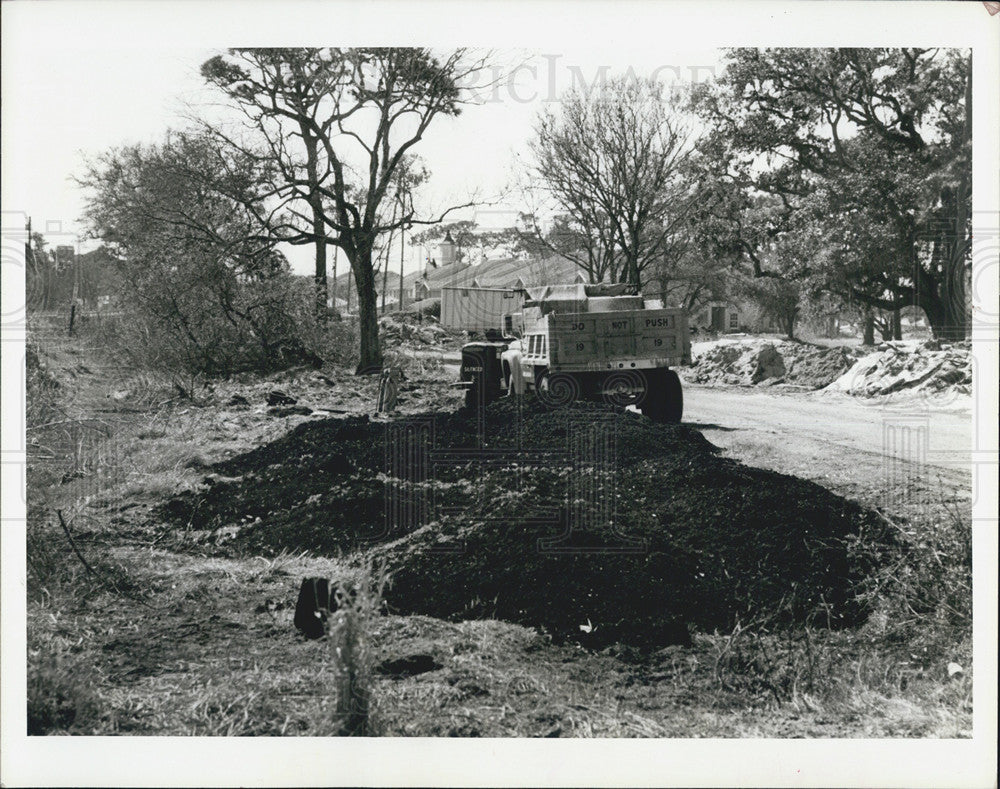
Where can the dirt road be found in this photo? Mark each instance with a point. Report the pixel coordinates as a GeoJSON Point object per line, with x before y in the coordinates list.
{"type": "Point", "coordinates": [828, 422]}
{"type": "Point", "coordinates": [888, 455]}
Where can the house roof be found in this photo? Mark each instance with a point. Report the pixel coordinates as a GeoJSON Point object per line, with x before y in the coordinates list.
{"type": "Point", "coordinates": [500, 273]}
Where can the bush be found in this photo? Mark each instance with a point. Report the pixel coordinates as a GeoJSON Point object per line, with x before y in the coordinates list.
{"type": "Point", "coordinates": [203, 287]}
{"type": "Point", "coordinates": [222, 328]}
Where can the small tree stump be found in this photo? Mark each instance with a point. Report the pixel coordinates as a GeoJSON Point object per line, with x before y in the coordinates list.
{"type": "Point", "coordinates": [312, 607]}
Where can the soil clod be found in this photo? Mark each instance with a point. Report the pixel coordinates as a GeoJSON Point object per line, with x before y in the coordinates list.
{"type": "Point", "coordinates": [408, 666]}
{"type": "Point", "coordinates": [278, 397]}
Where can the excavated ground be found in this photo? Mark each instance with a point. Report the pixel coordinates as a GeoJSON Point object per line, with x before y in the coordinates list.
{"type": "Point", "coordinates": [581, 516]}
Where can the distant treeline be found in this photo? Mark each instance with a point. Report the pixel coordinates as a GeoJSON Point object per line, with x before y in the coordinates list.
{"type": "Point", "coordinates": [54, 274]}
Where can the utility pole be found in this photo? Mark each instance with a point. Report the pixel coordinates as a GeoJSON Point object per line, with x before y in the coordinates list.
{"type": "Point", "coordinates": [336, 252]}
{"type": "Point", "coordinates": [76, 270]}
{"type": "Point", "coordinates": [402, 246]}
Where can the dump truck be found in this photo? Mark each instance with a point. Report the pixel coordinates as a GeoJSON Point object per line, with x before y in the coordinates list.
{"type": "Point", "coordinates": [583, 342]}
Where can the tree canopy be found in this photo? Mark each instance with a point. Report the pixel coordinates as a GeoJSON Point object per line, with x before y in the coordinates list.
{"type": "Point", "coordinates": [612, 163]}
{"type": "Point", "coordinates": [871, 145]}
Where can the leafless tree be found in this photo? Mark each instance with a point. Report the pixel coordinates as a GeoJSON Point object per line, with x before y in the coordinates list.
{"type": "Point", "coordinates": [339, 124]}
{"type": "Point", "coordinates": [612, 161]}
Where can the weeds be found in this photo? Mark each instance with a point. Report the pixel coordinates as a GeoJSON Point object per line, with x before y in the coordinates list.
{"type": "Point", "coordinates": [62, 695]}
{"type": "Point", "coordinates": [351, 653]}
{"type": "Point", "coordinates": [922, 598]}
{"type": "Point", "coordinates": [919, 593]}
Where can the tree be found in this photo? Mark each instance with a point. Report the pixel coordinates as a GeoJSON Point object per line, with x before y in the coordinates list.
{"type": "Point", "coordinates": [780, 299]}
{"type": "Point", "coordinates": [463, 234]}
{"type": "Point", "coordinates": [611, 161]}
{"type": "Point", "coordinates": [875, 146]}
{"type": "Point", "coordinates": [39, 274]}
{"type": "Point", "coordinates": [338, 124]}
{"type": "Point", "coordinates": [203, 283]}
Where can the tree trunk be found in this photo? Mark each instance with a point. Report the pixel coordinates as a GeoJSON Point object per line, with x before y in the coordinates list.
{"type": "Point", "coordinates": [790, 325]}
{"type": "Point", "coordinates": [868, 331]}
{"type": "Point", "coordinates": [320, 277]}
{"type": "Point", "coordinates": [370, 362]}
{"type": "Point", "coordinates": [897, 325]}
{"type": "Point", "coordinates": [947, 310]}
{"type": "Point", "coordinates": [947, 319]}
{"type": "Point", "coordinates": [318, 220]}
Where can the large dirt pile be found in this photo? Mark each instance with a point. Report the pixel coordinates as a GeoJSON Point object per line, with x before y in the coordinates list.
{"type": "Point", "coordinates": [770, 362]}
{"type": "Point", "coordinates": [928, 367]}
{"type": "Point", "coordinates": [580, 516]}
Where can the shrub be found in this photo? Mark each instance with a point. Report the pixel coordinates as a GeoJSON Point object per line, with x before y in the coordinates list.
{"type": "Point", "coordinates": [358, 604]}
{"type": "Point", "coordinates": [203, 287]}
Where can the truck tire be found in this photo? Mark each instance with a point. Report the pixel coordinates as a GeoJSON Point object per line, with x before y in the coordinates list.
{"type": "Point", "coordinates": [673, 398]}
{"type": "Point", "coordinates": [664, 399]}
{"type": "Point", "coordinates": [556, 390]}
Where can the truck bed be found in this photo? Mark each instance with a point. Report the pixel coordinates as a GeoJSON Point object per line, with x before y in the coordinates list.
{"type": "Point", "coordinates": [623, 339]}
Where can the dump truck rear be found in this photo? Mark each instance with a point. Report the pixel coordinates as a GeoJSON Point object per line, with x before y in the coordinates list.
{"type": "Point", "coordinates": [593, 342]}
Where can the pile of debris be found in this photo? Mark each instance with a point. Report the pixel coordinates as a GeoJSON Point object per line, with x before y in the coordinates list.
{"type": "Point", "coordinates": [413, 333]}
{"type": "Point", "coordinates": [929, 367]}
{"type": "Point", "coordinates": [769, 363]}
{"type": "Point", "coordinates": [591, 522]}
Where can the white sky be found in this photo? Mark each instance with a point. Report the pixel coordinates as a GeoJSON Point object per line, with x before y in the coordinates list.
{"type": "Point", "coordinates": [67, 98]}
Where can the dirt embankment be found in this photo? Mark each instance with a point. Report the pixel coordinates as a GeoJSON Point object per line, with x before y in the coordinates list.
{"type": "Point", "coordinates": [929, 367]}
{"type": "Point", "coordinates": [890, 368]}
{"type": "Point", "coordinates": [583, 516]}
{"type": "Point", "coordinates": [768, 363]}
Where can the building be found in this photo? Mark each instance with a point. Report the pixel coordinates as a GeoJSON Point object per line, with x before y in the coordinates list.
{"type": "Point", "coordinates": [719, 316]}
{"type": "Point", "coordinates": [443, 271]}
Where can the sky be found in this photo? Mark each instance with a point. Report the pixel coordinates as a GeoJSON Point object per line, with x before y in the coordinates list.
{"type": "Point", "coordinates": [68, 98]}
{"type": "Point", "coordinates": [82, 77]}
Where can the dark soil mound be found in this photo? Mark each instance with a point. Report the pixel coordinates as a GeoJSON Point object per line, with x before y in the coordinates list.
{"type": "Point", "coordinates": [317, 488]}
{"type": "Point", "coordinates": [586, 515]}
